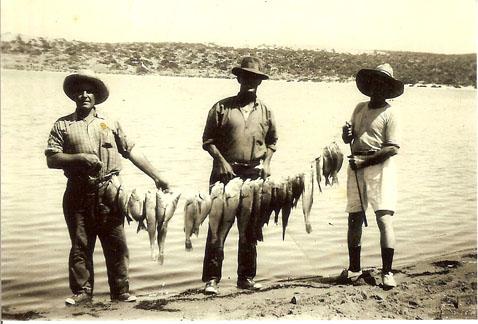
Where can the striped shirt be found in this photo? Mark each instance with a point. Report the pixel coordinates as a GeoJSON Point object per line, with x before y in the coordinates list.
{"type": "Point", "coordinates": [237, 137]}
{"type": "Point", "coordinates": [94, 135]}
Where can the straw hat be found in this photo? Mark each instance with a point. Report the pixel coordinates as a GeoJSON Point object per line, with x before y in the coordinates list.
{"type": "Point", "coordinates": [72, 82]}
{"type": "Point", "coordinates": [251, 64]}
{"type": "Point", "coordinates": [391, 87]}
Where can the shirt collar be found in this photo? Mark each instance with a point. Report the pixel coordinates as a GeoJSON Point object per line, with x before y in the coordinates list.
{"type": "Point", "coordinates": [96, 114]}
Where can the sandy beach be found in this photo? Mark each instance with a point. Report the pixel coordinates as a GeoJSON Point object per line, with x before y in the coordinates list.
{"type": "Point", "coordinates": [440, 288]}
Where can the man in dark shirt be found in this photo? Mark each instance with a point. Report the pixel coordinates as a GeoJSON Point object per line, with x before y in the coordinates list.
{"type": "Point", "coordinates": [240, 134]}
{"type": "Point", "coordinates": [89, 147]}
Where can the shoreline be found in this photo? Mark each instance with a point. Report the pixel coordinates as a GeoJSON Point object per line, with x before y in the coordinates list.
{"type": "Point", "coordinates": [214, 76]}
{"type": "Point", "coordinates": [441, 287]}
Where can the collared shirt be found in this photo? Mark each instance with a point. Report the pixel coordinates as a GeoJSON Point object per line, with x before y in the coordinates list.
{"type": "Point", "coordinates": [240, 138]}
{"type": "Point", "coordinates": [374, 128]}
{"type": "Point", "coordinates": [94, 134]}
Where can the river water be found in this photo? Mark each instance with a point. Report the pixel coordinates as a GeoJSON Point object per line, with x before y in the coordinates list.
{"type": "Point", "coordinates": [165, 115]}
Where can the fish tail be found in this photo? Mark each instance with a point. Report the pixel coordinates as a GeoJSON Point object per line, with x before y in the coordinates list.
{"type": "Point", "coordinates": [141, 226]}
{"type": "Point", "coordinates": [308, 228]}
{"type": "Point", "coordinates": [189, 245]}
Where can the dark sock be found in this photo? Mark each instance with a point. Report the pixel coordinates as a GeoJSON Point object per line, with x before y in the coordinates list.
{"type": "Point", "coordinates": [387, 259]}
{"type": "Point", "coordinates": [354, 258]}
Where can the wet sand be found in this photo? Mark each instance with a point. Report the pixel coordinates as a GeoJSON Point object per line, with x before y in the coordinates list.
{"type": "Point", "coordinates": [439, 288]}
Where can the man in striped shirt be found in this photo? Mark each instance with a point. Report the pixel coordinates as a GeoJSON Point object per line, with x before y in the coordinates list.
{"type": "Point", "coordinates": [89, 147]}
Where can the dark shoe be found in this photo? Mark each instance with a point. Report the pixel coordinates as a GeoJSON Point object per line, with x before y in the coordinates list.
{"type": "Point", "coordinates": [248, 284]}
{"type": "Point", "coordinates": [125, 297]}
{"type": "Point", "coordinates": [78, 299]}
{"type": "Point", "coordinates": [211, 287]}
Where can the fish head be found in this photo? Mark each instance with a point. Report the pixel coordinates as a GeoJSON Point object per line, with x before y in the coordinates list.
{"type": "Point", "coordinates": [217, 190]}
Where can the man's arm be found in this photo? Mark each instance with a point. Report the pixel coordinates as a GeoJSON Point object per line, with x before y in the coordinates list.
{"type": "Point", "coordinates": [378, 157]}
{"type": "Point", "coordinates": [225, 168]}
{"type": "Point", "coordinates": [266, 166]}
{"type": "Point", "coordinates": [142, 163]}
{"type": "Point", "coordinates": [62, 160]}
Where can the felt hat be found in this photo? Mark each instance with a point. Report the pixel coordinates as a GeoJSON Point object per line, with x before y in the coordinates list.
{"type": "Point", "coordinates": [72, 82]}
{"type": "Point", "coordinates": [253, 65]}
{"type": "Point", "coordinates": [391, 87]}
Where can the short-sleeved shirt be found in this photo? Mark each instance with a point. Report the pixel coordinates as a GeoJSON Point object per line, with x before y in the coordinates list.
{"type": "Point", "coordinates": [240, 138]}
{"type": "Point", "coordinates": [96, 135]}
{"type": "Point", "coordinates": [375, 128]}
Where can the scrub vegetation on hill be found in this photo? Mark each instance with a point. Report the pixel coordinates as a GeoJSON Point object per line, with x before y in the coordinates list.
{"type": "Point", "coordinates": [210, 60]}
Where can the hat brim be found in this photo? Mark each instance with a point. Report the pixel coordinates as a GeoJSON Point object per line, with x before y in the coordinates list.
{"type": "Point", "coordinates": [72, 82]}
{"type": "Point", "coordinates": [240, 70]}
{"type": "Point", "coordinates": [392, 87]}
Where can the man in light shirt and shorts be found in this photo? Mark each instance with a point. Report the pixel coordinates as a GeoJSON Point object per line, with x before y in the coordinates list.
{"type": "Point", "coordinates": [374, 140]}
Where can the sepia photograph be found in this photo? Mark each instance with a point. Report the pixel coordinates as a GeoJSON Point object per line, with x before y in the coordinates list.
{"type": "Point", "coordinates": [250, 160]}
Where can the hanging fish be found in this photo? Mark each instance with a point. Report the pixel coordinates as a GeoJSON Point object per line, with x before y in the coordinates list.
{"type": "Point", "coordinates": [307, 197]}
{"type": "Point", "coordinates": [266, 198]}
{"type": "Point", "coordinates": [191, 212]}
{"type": "Point", "coordinates": [245, 209]}
{"type": "Point", "coordinates": [205, 202]}
{"type": "Point", "coordinates": [318, 167]}
{"type": "Point", "coordinates": [279, 199]}
{"type": "Point", "coordinates": [150, 216]}
{"type": "Point", "coordinates": [232, 195]}
{"type": "Point", "coordinates": [217, 209]}
{"type": "Point", "coordinates": [287, 207]}
{"type": "Point", "coordinates": [256, 228]}
{"type": "Point", "coordinates": [327, 165]}
{"type": "Point", "coordinates": [171, 204]}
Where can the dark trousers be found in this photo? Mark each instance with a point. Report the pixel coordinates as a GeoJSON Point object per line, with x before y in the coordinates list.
{"type": "Point", "coordinates": [87, 218]}
{"type": "Point", "coordinates": [247, 254]}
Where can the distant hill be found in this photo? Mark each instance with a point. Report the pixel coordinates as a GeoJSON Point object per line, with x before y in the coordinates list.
{"type": "Point", "coordinates": [210, 60]}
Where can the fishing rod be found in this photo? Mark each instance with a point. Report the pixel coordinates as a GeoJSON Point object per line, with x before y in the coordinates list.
{"type": "Point", "coordinates": [359, 192]}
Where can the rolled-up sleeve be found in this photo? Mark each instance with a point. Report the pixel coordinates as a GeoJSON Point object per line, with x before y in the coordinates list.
{"type": "Point", "coordinates": [55, 140]}
{"type": "Point", "coordinates": [210, 133]}
{"type": "Point", "coordinates": [271, 136]}
{"type": "Point", "coordinates": [392, 130]}
{"type": "Point", "coordinates": [124, 143]}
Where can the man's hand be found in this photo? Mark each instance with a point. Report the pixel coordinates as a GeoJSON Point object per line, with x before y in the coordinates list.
{"type": "Point", "coordinates": [91, 162]}
{"type": "Point", "coordinates": [347, 134]}
{"type": "Point", "coordinates": [162, 185]}
{"type": "Point", "coordinates": [225, 170]}
{"type": "Point", "coordinates": [357, 162]}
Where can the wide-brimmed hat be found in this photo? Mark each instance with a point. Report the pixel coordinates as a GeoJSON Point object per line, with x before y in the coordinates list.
{"type": "Point", "coordinates": [391, 87]}
{"type": "Point", "coordinates": [72, 82]}
{"type": "Point", "coordinates": [253, 65]}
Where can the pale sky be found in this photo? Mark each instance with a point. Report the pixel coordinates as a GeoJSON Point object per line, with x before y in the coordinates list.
{"type": "Point", "coordinates": [441, 26]}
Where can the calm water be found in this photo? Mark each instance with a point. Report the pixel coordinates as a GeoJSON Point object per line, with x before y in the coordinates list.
{"type": "Point", "coordinates": [166, 116]}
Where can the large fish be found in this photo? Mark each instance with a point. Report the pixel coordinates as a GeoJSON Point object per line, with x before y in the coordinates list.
{"type": "Point", "coordinates": [266, 197]}
{"type": "Point", "coordinates": [318, 167]}
{"type": "Point", "coordinates": [287, 207]}
{"type": "Point", "coordinates": [150, 215]}
{"type": "Point", "coordinates": [110, 195]}
{"type": "Point", "coordinates": [338, 158]}
{"type": "Point", "coordinates": [327, 165]}
{"type": "Point", "coordinates": [135, 209]}
{"type": "Point", "coordinates": [307, 197]}
{"type": "Point", "coordinates": [123, 198]}
{"type": "Point", "coordinates": [204, 201]}
{"type": "Point", "coordinates": [280, 199]}
{"type": "Point", "coordinates": [232, 197]}
{"type": "Point", "coordinates": [191, 212]}
{"type": "Point", "coordinates": [217, 209]}
{"type": "Point", "coordinates": [245, 209]}
{"type": "Point", "coordinates": [171, 204]}
{"type": "Point", "coordinates": [255, 220]}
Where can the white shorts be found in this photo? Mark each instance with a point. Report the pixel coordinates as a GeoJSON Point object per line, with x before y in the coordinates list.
{"type": "Point", "coordinates": [378, 185]}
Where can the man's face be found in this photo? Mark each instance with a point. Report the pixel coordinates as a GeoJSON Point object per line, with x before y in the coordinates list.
{"type": "Point", "coordinates": [249, 81]}
{"type": "Point", "coordinates": [377, 88]}
{"type": "Point", "coordinates": [85, 97]}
